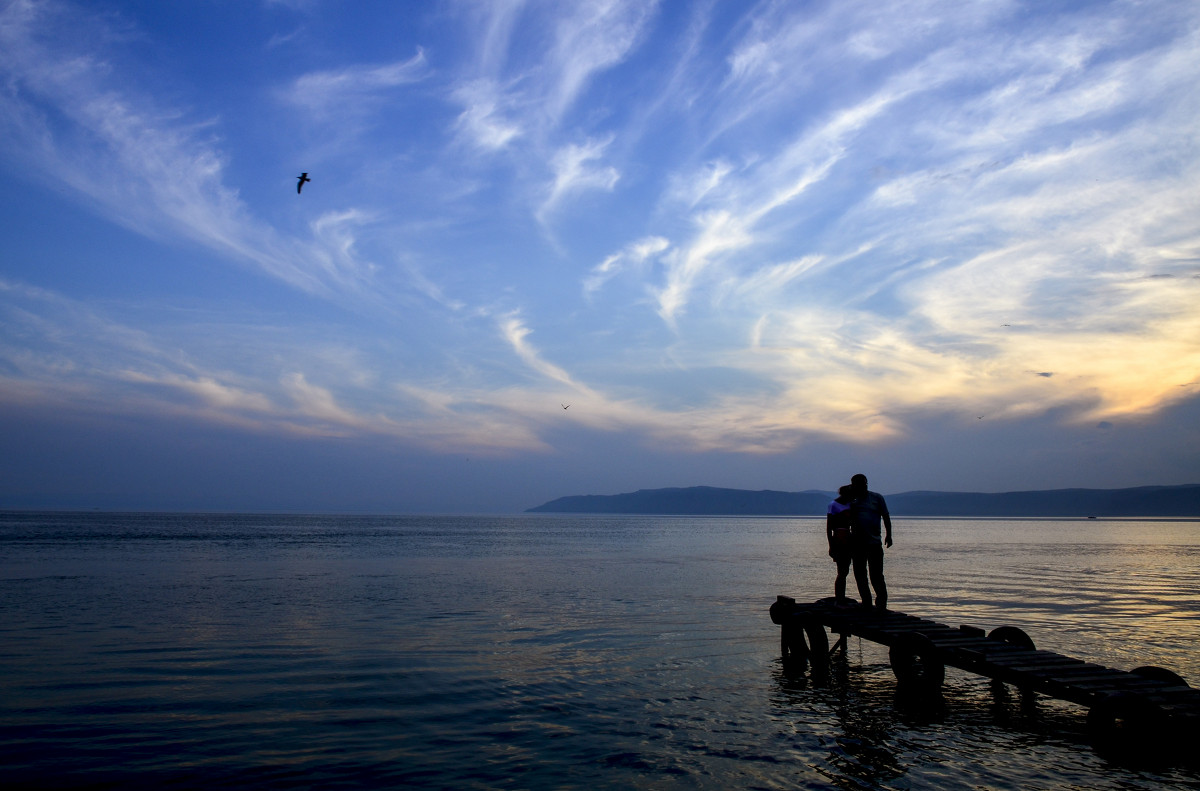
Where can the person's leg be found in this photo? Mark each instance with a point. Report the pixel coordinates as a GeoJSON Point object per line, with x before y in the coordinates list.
{"type": "Point", "coordinates": [843, 569]}
{"type": "Point", "coordinates": [860, 578]}
{"type": "Point", "coordinates": [875, 561]}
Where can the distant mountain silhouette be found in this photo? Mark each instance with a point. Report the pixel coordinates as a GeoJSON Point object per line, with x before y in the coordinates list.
{"type": "Point", "coordinates": [712, 501]}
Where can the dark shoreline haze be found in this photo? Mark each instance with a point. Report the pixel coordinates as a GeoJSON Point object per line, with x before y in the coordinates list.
{"type": "Point", "coordinates": [1147, 501]}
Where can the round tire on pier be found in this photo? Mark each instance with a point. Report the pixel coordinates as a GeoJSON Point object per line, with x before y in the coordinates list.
{"type": "Point", "coordinates": [818, 640]}
{"type": "Point", "coordinates": [1017, 638]}
{"type": "Point", "coordinates": [781, 608]}
{"type": "Point", "coordinates": [1013, 636]}
{"type": "Point", "coordinates": [1160, 674]}
{"type": "Point", "coordinates": [917, 662]}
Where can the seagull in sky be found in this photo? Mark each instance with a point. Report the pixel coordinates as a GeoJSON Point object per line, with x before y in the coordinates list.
{"type": "Point", "coordinates": [302, 179]}
{"type": "Point", "coordinates": [564, 406]}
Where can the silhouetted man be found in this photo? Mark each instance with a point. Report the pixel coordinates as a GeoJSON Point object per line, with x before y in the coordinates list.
{"type": "Point", "coordinates": [868, 510]}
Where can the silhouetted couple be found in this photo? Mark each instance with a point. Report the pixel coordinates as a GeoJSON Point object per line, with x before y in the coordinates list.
{"type": "Point", "coordinates": [853, 526]}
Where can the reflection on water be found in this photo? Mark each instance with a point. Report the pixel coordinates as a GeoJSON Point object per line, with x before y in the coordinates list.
{"type": "Point", "coordinates": [550, 652]}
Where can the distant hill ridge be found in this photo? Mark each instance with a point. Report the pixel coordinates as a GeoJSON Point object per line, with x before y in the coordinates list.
{"type": "Point", "coordinates": [713, 501]}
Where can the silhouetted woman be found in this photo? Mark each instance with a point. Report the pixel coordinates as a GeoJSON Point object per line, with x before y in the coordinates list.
{"type": "Point", "coordinates": [841, 542]}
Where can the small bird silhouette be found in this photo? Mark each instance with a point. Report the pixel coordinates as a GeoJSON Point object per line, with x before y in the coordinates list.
{"type": "Point", "coordinates": [564, 406]}
{"type": "Point", "coordinates": [302, 179]}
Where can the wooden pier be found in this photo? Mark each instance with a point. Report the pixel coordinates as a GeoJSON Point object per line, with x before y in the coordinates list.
{"type": "Point", "coordinates": [1147, 708]}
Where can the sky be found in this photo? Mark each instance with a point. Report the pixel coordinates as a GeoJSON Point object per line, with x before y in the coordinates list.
{"type": "Point", "coordinates": [591, 247]}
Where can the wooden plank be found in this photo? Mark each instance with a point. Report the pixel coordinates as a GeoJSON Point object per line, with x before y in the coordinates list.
{"type": "Point", "coordinates": [1034, 662]}
{"type": "Point", "coordinates": [970, 655]}
{"type": "Point", "coordinates": [1089, 684]}
{"type": "Point", "coordinates": [1003, 651]}
{"type": "Point", "coordinates": [1073, 672]}
{"type": "Point", "coordinates": [954, 640]}
{"type": "Point", "coordinates": [1177, 693]}
{"type": "Point", "coordinates": [896, 631]}
{"type": "Point", "coordinates": [1036, 659]}
{"type": "Point", "coordinates": [1098, 684]}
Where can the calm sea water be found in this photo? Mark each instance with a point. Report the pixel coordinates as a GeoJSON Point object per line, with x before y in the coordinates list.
{"type": "Point", "coordinates": [191, 651]}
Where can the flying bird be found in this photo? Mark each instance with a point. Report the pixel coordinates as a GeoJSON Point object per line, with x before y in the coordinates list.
{"type": "Point", "coordinates": [564, 406]}
{"type": "Point", "coordinates": [302, 179]}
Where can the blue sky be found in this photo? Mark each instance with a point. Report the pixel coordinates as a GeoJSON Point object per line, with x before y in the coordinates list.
{"type": "Point", "coordinates": [953, 245]}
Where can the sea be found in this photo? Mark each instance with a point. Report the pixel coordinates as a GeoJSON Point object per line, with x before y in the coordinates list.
{"type": "Point", "coordinates": [201, 651]}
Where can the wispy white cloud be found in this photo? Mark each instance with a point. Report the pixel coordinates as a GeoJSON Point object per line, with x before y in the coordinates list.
{"type": "Point", "coordinates": [220, 397]}
{"type": "Point", "coordinates": [719, 232]}
{"type": "Point", "coordinates": [334, 92]}
{"type": "Point", "coordinates": [589, 38]}
{"type": "Point", "coordinates": [515, 333]}
{"type": "Point", "coordinates": [319, 403]}
{"type": "Point", "coordinates": [770, 281]}
{"type": "Point", "coordinates": [483, 121]}
{"type": "Point", "coordinates": [518, 92]}
{"type": "Point", "coordinates": [634, 254]}
{"type": "Point", "coordinates": [335, 252]}
{"type": "Point", "coordinates": [575, 171]}
{"type": "Point", "coordinates": [692, 187]}
{"type": "Point", "coordinates": [733, 218]}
